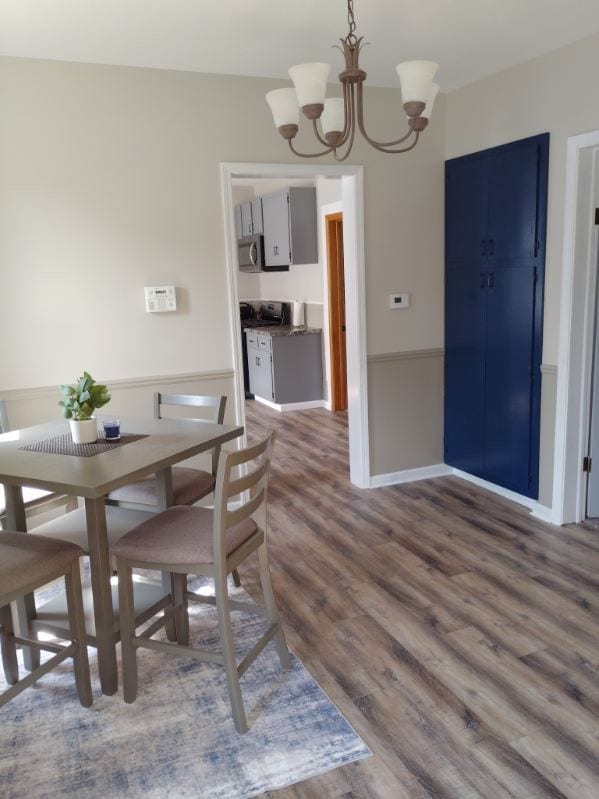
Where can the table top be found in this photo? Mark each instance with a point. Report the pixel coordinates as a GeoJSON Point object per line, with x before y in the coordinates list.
{"type": "Point", "coordinates": [167, 441]}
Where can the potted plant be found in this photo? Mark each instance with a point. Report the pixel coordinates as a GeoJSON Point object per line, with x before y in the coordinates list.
{"type": "Point", "coordinates": [78, 405]}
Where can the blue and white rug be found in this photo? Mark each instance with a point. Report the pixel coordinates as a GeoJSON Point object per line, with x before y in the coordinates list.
{"type": "Point", "coordinates": [177, 739]}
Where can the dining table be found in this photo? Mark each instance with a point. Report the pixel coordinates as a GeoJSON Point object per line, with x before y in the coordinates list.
{"type": "Point", "coordinates": [44, 456]}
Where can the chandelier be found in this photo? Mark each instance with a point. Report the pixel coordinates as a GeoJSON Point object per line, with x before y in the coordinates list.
{"type": "Point", "coordinates": [339, 116]}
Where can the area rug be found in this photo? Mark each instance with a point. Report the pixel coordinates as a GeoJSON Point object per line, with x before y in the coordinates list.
{"type": "Point", "coordinates": [177, 739]}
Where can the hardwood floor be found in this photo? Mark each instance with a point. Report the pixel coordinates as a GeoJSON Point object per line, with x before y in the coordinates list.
{"type": "Point", "coordinates": [457, 634]}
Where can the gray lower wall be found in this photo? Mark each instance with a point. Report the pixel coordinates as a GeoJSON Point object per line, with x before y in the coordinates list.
{"type": "Point", "coordinates": [405, 395]}
{"type": "Point", "coordinates": [548, 401]}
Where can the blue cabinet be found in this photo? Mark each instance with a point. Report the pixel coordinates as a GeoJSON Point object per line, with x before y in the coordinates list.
{"type": "Point", "coordinates": [495, 253]}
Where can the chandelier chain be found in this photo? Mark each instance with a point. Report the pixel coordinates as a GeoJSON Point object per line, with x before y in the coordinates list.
{"type": "Point", "coordinates": [351, 36]}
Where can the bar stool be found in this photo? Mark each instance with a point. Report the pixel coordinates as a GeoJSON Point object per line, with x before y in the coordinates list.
{"type": "Point", "coordinates": [28, 562]}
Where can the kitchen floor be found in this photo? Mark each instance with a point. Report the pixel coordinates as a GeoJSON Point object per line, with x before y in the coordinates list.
{"type": "Point", "coordinates": [458, 635]}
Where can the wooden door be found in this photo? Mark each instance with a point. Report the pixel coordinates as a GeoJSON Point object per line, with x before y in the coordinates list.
{"type": "Point", "coordinates": [334, 227]}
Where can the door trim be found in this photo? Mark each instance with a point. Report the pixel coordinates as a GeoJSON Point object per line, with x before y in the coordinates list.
{"type": "Point", "coordinates": [337, 354]}
{"type": "Point", "coordinates": [577, 310]}
{"type": "Point", "coordinates": [352, 193]}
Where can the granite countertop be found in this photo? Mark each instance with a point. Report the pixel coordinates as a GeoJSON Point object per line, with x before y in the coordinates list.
{"type": "Point", "coordinates": [285, 330]}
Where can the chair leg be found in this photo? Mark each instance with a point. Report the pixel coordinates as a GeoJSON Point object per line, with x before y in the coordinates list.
{"type": "Point", "coordinates": [78, 634]}
{"type": "Point", "coordinates": [181, 613]}
{"type": "Point", "coordinates": [228, 647]}
{"type": "Point", "coordinates": [271, 607]}
{"type": "Point", "coordinates": [127, 624]}
{"type": "Point", "coordinates": [7, 644]}
{"type": "Point", "coordinates": [167, 587]}
{"type": "Point", "coordinates": [236, 578]}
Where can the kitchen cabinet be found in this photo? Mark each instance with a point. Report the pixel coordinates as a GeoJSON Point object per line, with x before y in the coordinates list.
{"type": "Point", "coordinates": [290, 227]}
{"type": "Point", "coordinates": [238, 223]}
{"type": "Point", "coordinates": [246, 219]}
{"type": "Point", "coordinates": [285, 368]}
{"type": "Point", "coordinates": [496, 204]}
{"type": "Point", "coordinates": [257, 226]}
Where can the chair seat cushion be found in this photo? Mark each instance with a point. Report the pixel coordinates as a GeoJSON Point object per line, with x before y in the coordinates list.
{"type": "Point", "coordinates": [180, 535]}
{"type": "Point", "coordinates": [27, 560]}
{"type": "Point", "coordinates": [189, 485]}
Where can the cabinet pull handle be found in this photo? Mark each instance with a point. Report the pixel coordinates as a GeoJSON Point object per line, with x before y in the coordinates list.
{"type": "Point", "coordinates": [275, 250]}
{"type": "Point", "coordinates": [491, 283]}
{"type": "Point", "coordinates": [482, 280]}
{"type": "Point", "coordinates": [257, 361]}
{"type": "Point", "coordinates": [491, 246]}
{"type": "Point", "coordinates": [483, 247]}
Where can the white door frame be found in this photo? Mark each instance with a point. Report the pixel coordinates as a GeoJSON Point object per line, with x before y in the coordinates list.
{"type": "Point", "coordinates": [577, 311]}
{"type": "Point", "coordinates": [352, 193]}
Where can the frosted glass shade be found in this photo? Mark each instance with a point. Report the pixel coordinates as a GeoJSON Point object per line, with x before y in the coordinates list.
{"type": "Point", "coordinates": [333, 116]}
{"type": "Point", "coordinates": [428, 109]}
{"type": "Point", "coordinates": [310, 81]}
{"type": "Point", "coordinates": [416, 78]}
{"type": "Point", "coordinates": [284, 107]}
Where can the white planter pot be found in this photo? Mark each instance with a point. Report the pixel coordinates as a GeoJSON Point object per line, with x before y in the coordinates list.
{"type": "Point", "coordinates": [85, 432]}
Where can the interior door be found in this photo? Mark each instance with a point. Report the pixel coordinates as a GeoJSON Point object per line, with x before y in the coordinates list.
{"type": "Point", "coordinates": [465, 319]}
{"type": "Point", "coordinates": [509, 377]}
{"type": "Point", "coordinates": [334, 223]}
{"type": "Point", "coordinates": [592, 509]}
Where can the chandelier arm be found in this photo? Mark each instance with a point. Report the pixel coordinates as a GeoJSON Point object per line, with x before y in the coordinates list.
{"type": "Point", "coordinates": [353, 128]}
{"type": "Point", "coordinates": [317, 134]}
{"type": "Point", "coordinates": [308, 155]}
{"type": "Point", "coordinates": [402, 149]}
{"type": "Point", "coordinates": [373, 142]}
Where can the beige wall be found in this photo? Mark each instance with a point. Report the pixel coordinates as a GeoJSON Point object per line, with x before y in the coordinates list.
{"type": "Point", "coordinates": [557, 93]}
{"type": "Point", "coordinates": [110, 181]}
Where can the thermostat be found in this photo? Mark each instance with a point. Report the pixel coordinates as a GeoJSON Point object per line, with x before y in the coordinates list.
{"type": "Point", "coordinates": [399, 301]}
{"type": "Point", "coordinates": [160, 298]}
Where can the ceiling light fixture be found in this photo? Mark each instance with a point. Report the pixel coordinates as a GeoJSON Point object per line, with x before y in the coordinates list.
{"type": "Point", "coordinates": [339, 116]}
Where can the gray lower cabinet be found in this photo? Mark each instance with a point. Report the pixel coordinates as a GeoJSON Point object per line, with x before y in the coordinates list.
{"type": "Point", "coordinates": [285, 369]}
{"type": "Point", "coordinates": [290, 228]}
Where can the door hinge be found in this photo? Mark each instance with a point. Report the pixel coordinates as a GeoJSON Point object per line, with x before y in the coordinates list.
{"type": "Point", "coordinates": [597, 216]}
{"type": "Point", "coordinates": [587, 464]}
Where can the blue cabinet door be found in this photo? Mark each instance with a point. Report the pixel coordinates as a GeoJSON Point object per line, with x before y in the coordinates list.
{"type": "Point", "coordinates": [465, 322]}
{"type": "Point", "coordinates": [465, 211]}
{"type": "Point", "coordinates": [512, 204]}
{"type": "Point", "coordinates": [509, 377]}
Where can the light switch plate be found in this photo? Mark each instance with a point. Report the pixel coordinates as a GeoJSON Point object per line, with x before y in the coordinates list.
{"type": "Point", "coordinates": [399, 300]}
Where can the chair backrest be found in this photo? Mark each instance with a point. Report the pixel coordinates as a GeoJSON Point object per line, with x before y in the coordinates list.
{"type": "Point", "coordinates": [251, 487]}
{"type": "Point", "coordinates": [4, 428]}
{"type": "Point", "coordinates": [215, 403]}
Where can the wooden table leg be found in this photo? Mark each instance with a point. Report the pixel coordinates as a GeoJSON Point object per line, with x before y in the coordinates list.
{"type": "Point", "coordinates": [25, 606]}
{"type": "Point", "coordinates": [164, 497]}
{"type": "Point", "coordinates": [103, 611]}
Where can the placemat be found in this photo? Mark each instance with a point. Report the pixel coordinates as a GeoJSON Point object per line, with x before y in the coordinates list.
{"type": "Point", "coordinates": [63, 445]}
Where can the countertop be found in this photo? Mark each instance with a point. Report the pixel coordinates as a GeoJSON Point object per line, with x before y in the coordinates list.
{"type": "Point", "coordinates": [285, 330]}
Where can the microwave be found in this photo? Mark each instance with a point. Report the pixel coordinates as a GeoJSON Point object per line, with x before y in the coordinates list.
{"type": "Point", "coordinates": [251, 254]}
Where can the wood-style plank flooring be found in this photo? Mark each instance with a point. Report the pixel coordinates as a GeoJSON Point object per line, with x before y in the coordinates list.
{"type": "Point", "coordinates": [458, 635]}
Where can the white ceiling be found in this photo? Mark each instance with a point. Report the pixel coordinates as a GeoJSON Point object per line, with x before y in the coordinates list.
{"type": "Point", "coordinates": [469, 38]}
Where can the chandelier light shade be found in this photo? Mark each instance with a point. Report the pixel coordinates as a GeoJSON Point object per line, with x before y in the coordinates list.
{"type": "Point", "coordinates": [341, 116]}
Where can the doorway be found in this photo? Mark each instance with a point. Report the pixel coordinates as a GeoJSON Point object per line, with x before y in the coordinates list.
{"type": "Point", "coordinates": [355, 308]}
{"type": "Point", "coordinates": [336, 301]}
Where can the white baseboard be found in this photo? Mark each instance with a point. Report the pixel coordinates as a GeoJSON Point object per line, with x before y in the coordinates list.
{"type": "Point", "coordinates": [503, 492]}
{"type": "Point", "coordinates": [543, 513]}
{"type": "Point", "coordinates": [410, 475]}
{"type": "Point", "coordinates": [291, 406]}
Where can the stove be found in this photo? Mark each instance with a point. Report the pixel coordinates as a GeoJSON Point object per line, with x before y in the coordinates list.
{"type": "Point", "coordinates": [269, 314]}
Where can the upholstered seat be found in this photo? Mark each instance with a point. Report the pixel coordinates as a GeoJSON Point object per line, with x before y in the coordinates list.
{"type": "Point", "coordinates": [180, 535]}
{"type": "Point", "coordinates": [28, 562]}
{"type": "Point", "coordinates": [188, 486]}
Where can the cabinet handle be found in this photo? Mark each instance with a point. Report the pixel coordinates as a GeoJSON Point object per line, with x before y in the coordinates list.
{"type": "Point", "coordinates": [275, 250]}
{"type": "Point", "coordinates": [482, 280]}
{"type": "Point", "coordinates": [491, 283]}
{"type": "Point", "coordinates": [257, 361]}
{"type": "Point", "coordinates": [491, 246]}
{"type": "Point", "coordinates": [483, 247]}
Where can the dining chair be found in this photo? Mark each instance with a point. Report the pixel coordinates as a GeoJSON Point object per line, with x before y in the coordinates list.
{"type": "Point", "coordinates": [28, 562]}
{"type": "Point", "coordinates": [36, 500]}
{"type": "Point", "coordinates": [189, 485]}
{"type": "Point", "coordinates": [184, 540]}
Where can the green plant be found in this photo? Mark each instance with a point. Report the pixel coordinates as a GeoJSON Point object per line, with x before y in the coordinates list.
{"type": "Point", "coordinates": [82, 399]}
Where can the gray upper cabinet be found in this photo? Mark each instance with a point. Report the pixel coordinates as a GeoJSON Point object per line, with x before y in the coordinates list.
{"type": "Point", "coordinates": [257, 226]}
{"type": "Point", "coordinates": [289, 219]}
{"type": "Point", "coordinates": [246, 219]}
{"type": "Point", "coordinates": [238, 225]}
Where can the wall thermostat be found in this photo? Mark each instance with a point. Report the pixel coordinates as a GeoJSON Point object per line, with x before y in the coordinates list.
{"type": "Point", "coordinates": [160, 298]}
{"type": "Point", "coordinates": [399, 301]}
